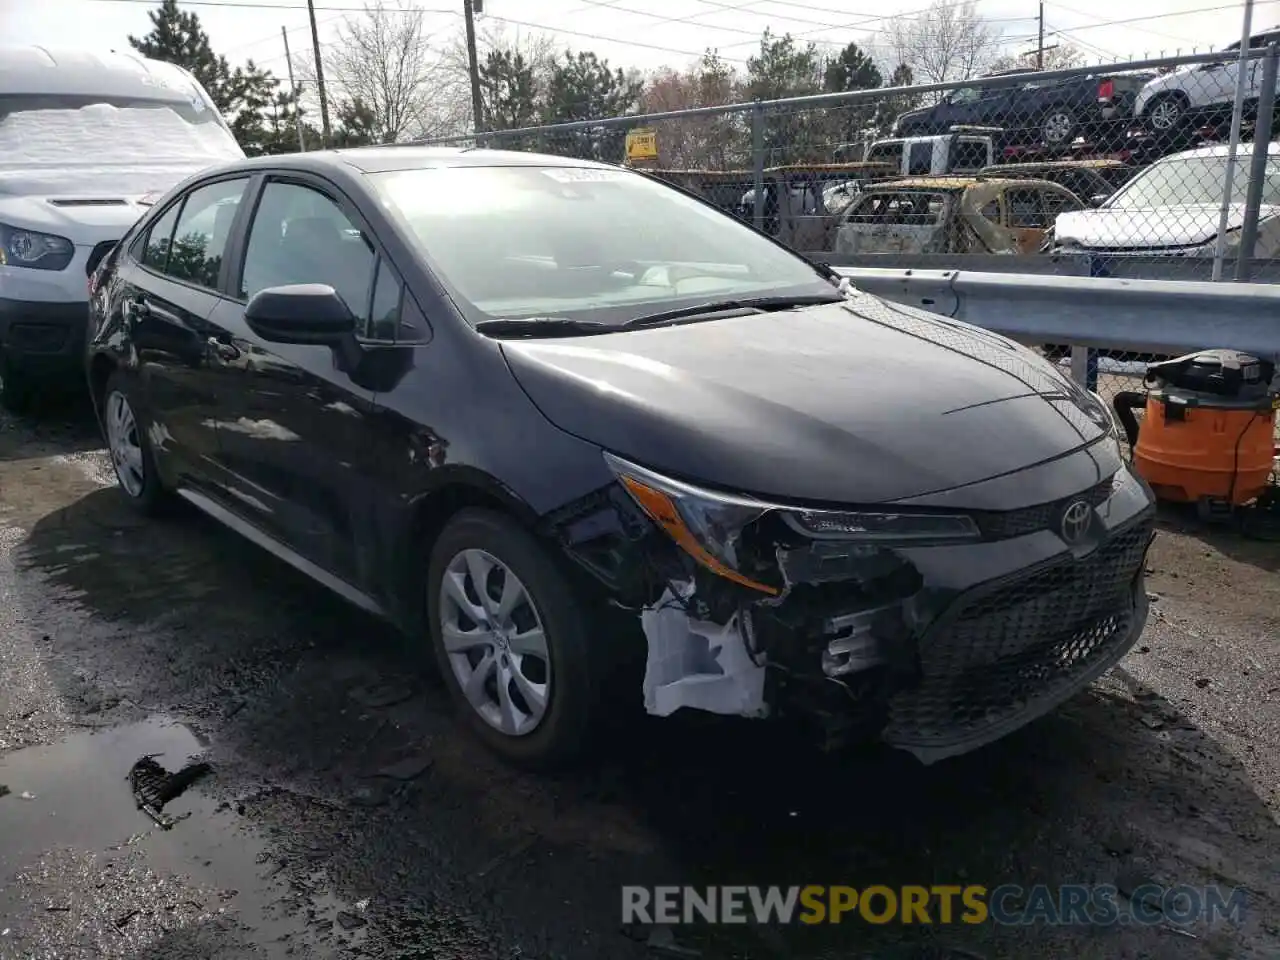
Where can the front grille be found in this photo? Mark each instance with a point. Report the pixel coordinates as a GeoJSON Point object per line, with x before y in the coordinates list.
{"type": "Point", "coordinates": [1016, 523]}
{"type": "Point", "coordinates": [1002, 653]}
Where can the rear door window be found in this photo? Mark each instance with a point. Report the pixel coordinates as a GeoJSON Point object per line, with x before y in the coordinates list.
{"type": "Point", "coordinates": [203, 230]}
{"type": "Point", "coordinates": [1026, 210]}
{"type": "Point", "coordinates": [969, 155]}
{"type": "Point", "coordinates": [920, 161]}
{"type": "Point", "coordinates": [886, 153]}
{"type": "Point", "coordinates": [152, 249]}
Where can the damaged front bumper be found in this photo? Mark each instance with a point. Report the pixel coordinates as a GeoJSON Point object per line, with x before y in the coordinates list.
{"type": "Point", "coordinates": [936, 648]}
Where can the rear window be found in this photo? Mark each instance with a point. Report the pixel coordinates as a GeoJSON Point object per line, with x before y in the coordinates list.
{"type": "Point", "coordinates": [916, 208]}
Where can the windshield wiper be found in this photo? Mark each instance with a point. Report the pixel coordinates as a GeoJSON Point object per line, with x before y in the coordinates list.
{"type": "Point", "coordinates": [541, 327]}
{"type": "Point", "coordinates": [720, 306]}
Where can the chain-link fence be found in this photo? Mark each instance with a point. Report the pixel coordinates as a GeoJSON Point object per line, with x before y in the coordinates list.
{"type": "Point", "coordinates": [1143, 169]}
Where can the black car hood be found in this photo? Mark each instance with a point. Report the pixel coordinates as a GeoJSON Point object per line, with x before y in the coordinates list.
{"type": "Point", "coordinates": [857, 402]}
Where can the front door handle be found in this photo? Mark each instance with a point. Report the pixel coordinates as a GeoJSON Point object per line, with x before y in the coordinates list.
{"type": "Point", "coordinates": [226, 352]}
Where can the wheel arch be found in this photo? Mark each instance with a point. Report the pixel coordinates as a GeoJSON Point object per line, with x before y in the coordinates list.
{"type": "Point", "coordinates": [454, 489]}
{"type": "Point", "coordinates": [101, 366]}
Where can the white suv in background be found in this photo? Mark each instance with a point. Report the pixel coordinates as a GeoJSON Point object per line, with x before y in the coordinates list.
{"type": "Point", "coordinates": [1203, 93]}
{"type": "Point", "coordinates": [85, 140]}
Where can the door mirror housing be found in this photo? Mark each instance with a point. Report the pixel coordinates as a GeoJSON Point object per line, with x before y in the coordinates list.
{"type": "Point", "coordinates": [303, 313]}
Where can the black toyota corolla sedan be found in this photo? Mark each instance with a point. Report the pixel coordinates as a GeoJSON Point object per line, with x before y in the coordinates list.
{"type": "Point", "coordinates": [577, 432]}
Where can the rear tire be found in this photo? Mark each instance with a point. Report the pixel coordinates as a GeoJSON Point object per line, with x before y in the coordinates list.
{"type": "Point", "coordinates": [1058, 127]}
{"type": "Point", "coordinates": [130, 448]}
{"type": "Point", "coordinates": [512, 640]}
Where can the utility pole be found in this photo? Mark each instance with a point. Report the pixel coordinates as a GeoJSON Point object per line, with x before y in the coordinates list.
{"type": "Point", "coordinates": [324, 101]}
{"type": "Point", "coordinates": [470, 8]}
{"type": "Point", "coordinates": [293, 89]}
{"type": "Point", "coordinates": [1040, 42]}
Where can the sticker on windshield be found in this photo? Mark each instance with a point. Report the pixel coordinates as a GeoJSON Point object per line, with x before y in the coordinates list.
{"type": "Point", "coordinates": [581, 174]}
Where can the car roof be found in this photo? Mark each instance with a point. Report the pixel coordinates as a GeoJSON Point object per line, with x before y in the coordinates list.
{"type": "Point", "coordinates": [953, 184]}
{"type": "Point", "coordinates": [384, 159]}
{"type": "Point", "coordinates": [1099, 163]}
{"type": "Point", "coordinates": [29, 69]}
{"type": "Point", "coordinates": [1219, 150]}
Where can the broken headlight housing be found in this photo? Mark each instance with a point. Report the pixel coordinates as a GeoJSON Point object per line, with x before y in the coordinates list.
{"type": "Point", "coordinates": [1114, 430]}
{"type": "Point", "coordinates": [708, 525]}
{"type": "Point", "coordinates": [877, 527]}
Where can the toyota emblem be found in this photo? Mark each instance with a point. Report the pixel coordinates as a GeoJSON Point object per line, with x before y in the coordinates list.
{"type": "Point", "coordinates": [1075, 521]}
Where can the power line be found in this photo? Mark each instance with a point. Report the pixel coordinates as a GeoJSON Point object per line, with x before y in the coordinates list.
{"type": "Point", "coordinates": [250, 5]}
{"type": "Point", "coordinates": [1110, 55]}
{"type": "Point", "coordinates": [612, 5]}
{"type": "Point", "coordinates": [1090, 16]}
{"type": "Point", "coordinates": [1162, 16]}
{"type": "Point", "coordinates": [595, 36]}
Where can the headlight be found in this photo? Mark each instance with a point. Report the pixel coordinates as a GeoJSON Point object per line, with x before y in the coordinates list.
{"type": "Point", "coordinates": [708, 525]}
{"type": "Point", "coordinates": [875, 527]}
{"type": "Point", "coordinates": [705, 524]}
{"type": "Point", "coordinates": [1230, 246]}
{"type": "Point", "coordinates": [39, 251]}
{"type": "Point", "coordinates": [1115, 431]}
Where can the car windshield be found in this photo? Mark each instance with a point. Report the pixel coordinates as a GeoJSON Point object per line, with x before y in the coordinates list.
{"type": "Point", "coordinates": [69, 143]}
{"type": "Point", "coordinates": [583, 242]}
{"type": "Point", "coordinates": [1194, 181]}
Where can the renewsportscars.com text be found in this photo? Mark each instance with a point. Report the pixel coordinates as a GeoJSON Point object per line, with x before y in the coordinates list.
{"type": "Point", "coordinates": [1009, 904]}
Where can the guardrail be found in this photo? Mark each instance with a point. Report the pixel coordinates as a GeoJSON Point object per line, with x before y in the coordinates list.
{"type": "Point", "coordinates": [1061, 265]}
{"type": "Point", "coordinates": [1160, 316]}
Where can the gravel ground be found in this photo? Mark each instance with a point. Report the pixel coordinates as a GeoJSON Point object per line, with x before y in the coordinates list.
{"type": "Point", "coordinates": [345, 814]}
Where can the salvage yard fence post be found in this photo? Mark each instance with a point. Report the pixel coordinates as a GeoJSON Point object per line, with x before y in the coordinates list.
{"type": "Point", "coordinates": [1264, 119]}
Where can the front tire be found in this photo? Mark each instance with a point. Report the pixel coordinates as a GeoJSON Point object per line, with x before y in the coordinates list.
{"type": "Point", "coordinates": [512, 640]}
{"type": "Point", "coordinates": [17, 388]}
{"type": "Point", "coordinates": [1167, 120]}
{"type": "Point", "coordinates": [130, 448]}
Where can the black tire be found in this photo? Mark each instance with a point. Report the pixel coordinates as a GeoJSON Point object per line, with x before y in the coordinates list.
{"type": "Point", "coordinates": [151, 498]}
{"type": "Point", "coordinates": [1167, 119]}
{"type": "Point", "coordinates": [18, 389]}
{"type": "Point", "coordinates": [563, 734]}
{"type": "Point", "coordinates": [1058, 127]}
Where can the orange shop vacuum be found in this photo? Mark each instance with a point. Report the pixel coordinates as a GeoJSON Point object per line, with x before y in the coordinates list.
{"type": "Point", "coordinates": [1208, 431]}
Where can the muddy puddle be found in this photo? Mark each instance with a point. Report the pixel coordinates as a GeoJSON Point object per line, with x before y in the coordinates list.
{"type": "Point", "coordinates": [85, 872]}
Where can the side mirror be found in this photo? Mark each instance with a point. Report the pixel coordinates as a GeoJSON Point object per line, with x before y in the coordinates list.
{"type": "Point", "coordinates": [303, 313]}
{"type": "Point", "coordinates": [1098, 199]}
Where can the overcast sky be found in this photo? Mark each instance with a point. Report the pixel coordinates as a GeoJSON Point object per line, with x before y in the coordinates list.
{"type": "Point", "coordinates": [651, 33]}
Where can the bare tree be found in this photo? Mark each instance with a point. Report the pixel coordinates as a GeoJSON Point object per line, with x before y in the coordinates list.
{"type": "Point", "coordinates": [949, 41]}
{"type": "Point", "coordinates": [384, 66]}
{"type": "Point", "coordinates": [1061, 56]}
{"type": "Point", "coordinates": [537, 50]}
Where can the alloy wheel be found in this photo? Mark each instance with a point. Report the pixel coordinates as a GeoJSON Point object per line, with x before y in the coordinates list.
{"type": "Point", "coordinates": [1166, 114]}
{"type": "Point", "coordinates": [1057, 127]}
{"type": "Point", "coordinates": [124, 444]}
{"type": "Point", "coordinates": [495, 642]}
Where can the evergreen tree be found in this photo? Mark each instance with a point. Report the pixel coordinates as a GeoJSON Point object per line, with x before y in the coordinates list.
{"type": "Point", "coordinates": [581, 86]}
{"type": "Point", "coordinates": [243, 96]}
